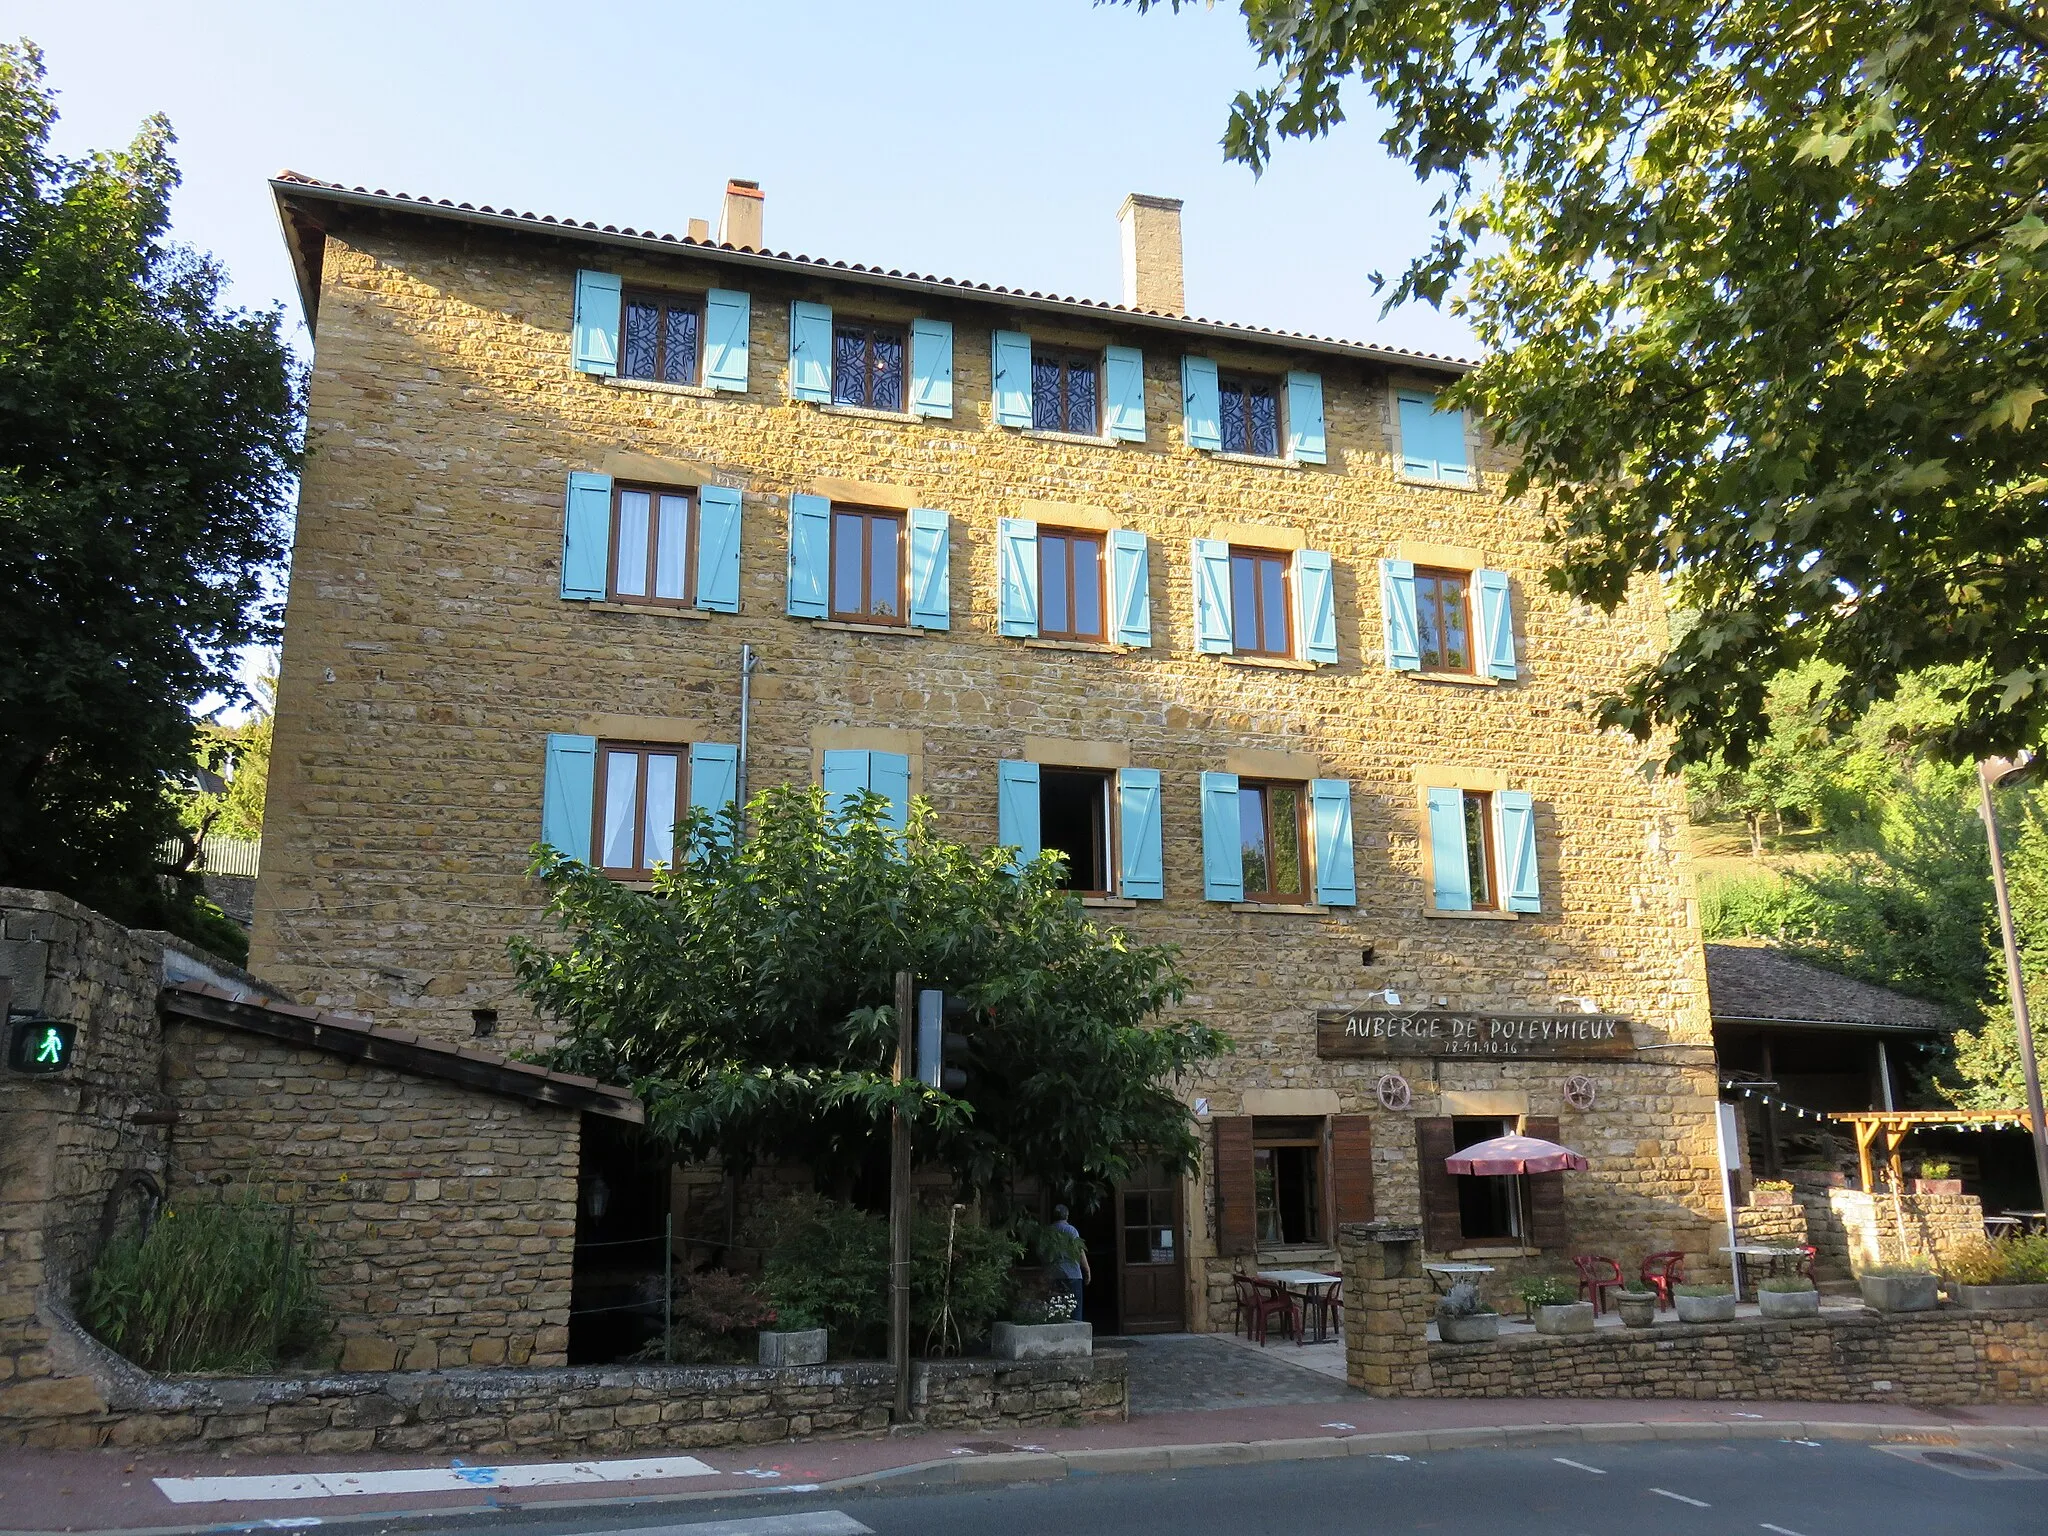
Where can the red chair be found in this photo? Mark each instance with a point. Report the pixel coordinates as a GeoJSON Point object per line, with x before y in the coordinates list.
{"type": "Point", "coordinates": [1247, 1294]}
{"type": "Point", "coordinates": [1272, 1301]}
{"type": "Point", "coordinates": [1597, 1276]}
{"type": "Point", "coordinates": [1324, 1309]}
{"type": "Point", "coordinates": [1661, 1271]}
{"type": "Point", "coordinates": [1805, 1265]}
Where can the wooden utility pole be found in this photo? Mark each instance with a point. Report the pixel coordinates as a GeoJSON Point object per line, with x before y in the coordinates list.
{"type": "Point", "coordinates": [899, 1201]}
{"type": "Point", "coordinates": [1989, 774]}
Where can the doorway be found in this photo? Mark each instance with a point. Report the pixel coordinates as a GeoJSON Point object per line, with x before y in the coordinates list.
{"type": "Point", "coordinates": [1150, 1264]}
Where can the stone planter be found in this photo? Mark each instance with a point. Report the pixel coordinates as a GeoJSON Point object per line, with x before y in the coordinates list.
{"type": "Point", "coordinates": [1719, 1308]}
{"type": "Point", "coordinates": [1937, 1186]}
{"type": "Point", "coordinates": [1572, 1317]}
{"type": "Point", "coordinates": [1772, 1197]}
{"type": "Point", "coordinates": [1043, 1341]}
{"type": "Point", "coordinates": [1479, 1328]}
{"type": "Point", "coordinates": [1998, 1298]}
{"type": "Point", "coordinates": [1788, 1303]}
{"type": "Point", "coordinates": [1898, 1293]}
{"type": "Point", "coordinates": [804, 1346]}
{"type": "Point", "coordinates": [1638, 1309]}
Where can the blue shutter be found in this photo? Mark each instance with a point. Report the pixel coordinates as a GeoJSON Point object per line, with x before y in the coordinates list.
{"type": "Point", "coordinates": [1313, 591]}
{"type": "Point", "coordinates": [1017, 577]}
{"type": "Point", "coordinates": [810, 556]}
{"type": "Point", "coordinates": [1141, 867]}
{"type": "Point", "coordinates": [931, 368]}
{"type": "Point", "coordinates": [810, 351]}
{"type": "Point", "coordinates": [594, 337]}
{"type": "Point", "coordinates": [1329, 803]}
{"type": "Point", "coordinates": [714, 783]}
{"type": "Point", "coordinates": [568, 795]}
{"type": "Point", "coordinates": [1017, 809]}
{"type": "Point", "coordinates": [1496, 624]}
{"type": "Point", "coordinates": [1012, 359]}
{"type": "Point", "coordinates": [1123, 393]}
{"type": "Point", "coordinates": [1416, 456]}
{"type": "Point", "coordinates": [1397, 615]}
{"type": "Point", "coordinates": [1222, 839]}
{"type": "Point", "coordinates": [587, 537]}
{"type": "Point", "coordinates": [1201, 406]}
{"type": "Point", "coordinates": [1211, 562]}
{"type": "Point", "coordinates": [1305, 418]}
{"type": "Point", "coordinates": [1517, 808]}
{"type": "Point", "coordinates": [1453, 891]}
{"type": "Point", "coordinates": [931, 569]}
{"type": "Point", "coordinates": [845, 779]}
{"type": "Point", "coordinates": [727, 316]}
{"type": "Point", "coordinates": [718, 548]}
{"type": "Point", "coordinates": [1130, 585]}
{"type": "Point", "coordinates": [889, 777]}
{"type": "Point", "coordinates": [1432, 441]}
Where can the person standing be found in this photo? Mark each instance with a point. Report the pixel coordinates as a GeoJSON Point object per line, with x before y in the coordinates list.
{"type": "Point", "coordinates": [1072, 1264]}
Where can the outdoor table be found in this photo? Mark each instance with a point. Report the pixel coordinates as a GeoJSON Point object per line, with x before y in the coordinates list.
{"type": "Point", "coordinates": [1444, 1276]}
{"type": "Point", "coordinates": [2034, 1220]}
{"type": "Point", "coordinates": [1311, 1281]}
{"type": "Point", "coordinates": [2000, 1226]}
{"type": "Point", "coordinates": [1773, 1254]}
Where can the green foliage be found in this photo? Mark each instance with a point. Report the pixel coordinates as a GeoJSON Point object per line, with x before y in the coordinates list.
{"type": "Point", "coordinates": [1786, 1284]}
{"type": "Point", "coordinates": [714, 1317]}
{"type": "Point", "coordinates": [2009, 1260]}
{"type": "Point", "coordinates": [1462, 1300]}
{"type": "Point", "coordinates": [1763, 291]}
{"type": "Point", "coordinates": [216, 1285]}
{"type": "Point", "coordinates": [1545, 1290]}
{"type": "Point", "coordinates": [956, 1294]}
{"type": "Point", "coordinates": [148, 443]}
{"type": "Point", "coordinates": [240, 755]}
{"type": "Point", "coordinates": [1898, 1269]}
{"type": "Point", "coordinates": [748, 998]}
{"type": "Point", "coordinates": [1765, 906]}
{"type": "Point", "coordinates": [1700, 1290]}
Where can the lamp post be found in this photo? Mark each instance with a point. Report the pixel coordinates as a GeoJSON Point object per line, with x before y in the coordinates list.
{"type": "Point", "coordinates": [1994, 773]}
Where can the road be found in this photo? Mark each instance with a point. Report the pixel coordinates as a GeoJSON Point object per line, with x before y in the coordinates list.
{"type": "Point", "coordinates": [1643, 1489]}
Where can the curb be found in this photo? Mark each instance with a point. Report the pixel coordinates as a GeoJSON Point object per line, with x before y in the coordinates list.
{"type": "Point", "coordinates": [1057, 1466]}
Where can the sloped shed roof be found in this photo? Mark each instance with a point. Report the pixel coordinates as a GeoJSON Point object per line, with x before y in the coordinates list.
{"type": "Point", "coordinates": [1753, 983]}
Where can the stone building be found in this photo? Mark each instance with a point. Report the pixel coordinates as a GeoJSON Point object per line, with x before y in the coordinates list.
{"type": "Point", "coordinates": [1236, 618]}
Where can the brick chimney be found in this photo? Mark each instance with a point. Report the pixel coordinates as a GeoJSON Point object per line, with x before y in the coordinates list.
{"type": "Point", "coordinates": [739, 221]}
{"type": "Point", "coordinates": [1151, 241]}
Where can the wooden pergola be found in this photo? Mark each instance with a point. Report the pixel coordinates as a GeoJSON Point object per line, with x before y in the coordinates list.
{"type": "Point", "coordinates": [1895, 1124]}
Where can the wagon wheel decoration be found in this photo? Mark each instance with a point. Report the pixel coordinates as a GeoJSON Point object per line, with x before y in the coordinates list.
{"type": "Point", "coordinates": [1580, 1092]}
{"type": "Point", "coordinates": [1394, 1092]}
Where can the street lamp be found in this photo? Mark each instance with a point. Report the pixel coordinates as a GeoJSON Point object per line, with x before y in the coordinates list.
{"type": "Point", "coordinates": [1997, 773]}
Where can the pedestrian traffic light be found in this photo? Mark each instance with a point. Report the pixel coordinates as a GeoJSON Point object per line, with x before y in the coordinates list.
{"type": "Point", "coordinates": [941, 1052]}
{"type": "Point", "coordinates": [40, 1045]}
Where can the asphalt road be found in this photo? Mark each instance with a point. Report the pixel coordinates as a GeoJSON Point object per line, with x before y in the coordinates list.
{"type": "Point", "coordinates": [1644, 1489]}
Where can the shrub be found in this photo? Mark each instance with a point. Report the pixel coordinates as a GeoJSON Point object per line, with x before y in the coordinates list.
{"type": "Point", "coordinates": [714, 1317]}
{"type": "Point", "coordinates": [959, 1281]}
{"type": "Point", "coordinates": [2008, 1260]}
{"type": "Point", "coordinates": [1700, 1290]}
{"type": "Point", "coordinates": [1034, 1310]}
{"type": "Point", "coordinates": [1639, 1287]}
{"type": "Point", "coordinates": [1546, 1290]}
{"type": "Point", "coordinates": [1462, 1300]}
{"type": "Point", "coordinates": [1774, 1186]}
{"type": "Point", "coordinates": [1786, 1283]}
{"type": "Point", "coordinates": [1898, 1269]}
{"type": "Point", "coordinates": [1935, 1170]}
{"type": "Point", "coordinates": [215, 1285]}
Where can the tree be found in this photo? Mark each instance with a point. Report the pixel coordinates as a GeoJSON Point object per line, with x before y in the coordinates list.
{"type": "Point", "coordinates": [237, 757]}
{"type": "Point", "coordinates": [148, 442]}
{"type": "Point", "coordinates": [1763, 285]}
{"type": "Point", "coordinates": [748, 998]}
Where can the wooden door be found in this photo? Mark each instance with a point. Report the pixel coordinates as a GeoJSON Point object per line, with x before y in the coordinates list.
{"type": "Point", "coordinates": [1150, 1252]}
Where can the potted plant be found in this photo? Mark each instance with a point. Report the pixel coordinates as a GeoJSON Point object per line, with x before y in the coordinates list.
{"type": "Point", "coordinates": [1788, 1296]}
{"type": "Point", "coordinates": [1994, 1274]}
{"type": "Point", "coordinates": [1462, 1318]}
{"type": "Point", "coordinates": [1704, 1303]}
{"type": "Point", "coordinates": [795, 1339]}
{"type": "Point", "coordinates": [1552, 1302]}
{"type": "Point", "coordinates": [1935, 1179]}
{"type": "Point", "coordinates": [1637, 1304]}
{"type": "Point", "coordinates": [1043, 1328]}
{"type": "Point", "coordinates": [1907, 1286]}
{"type": "Point", "coordinates": [1774, 1192]}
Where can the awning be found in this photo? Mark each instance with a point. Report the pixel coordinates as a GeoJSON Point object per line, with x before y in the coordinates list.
{"type": "Point", "coordinates": [1515, 1154]}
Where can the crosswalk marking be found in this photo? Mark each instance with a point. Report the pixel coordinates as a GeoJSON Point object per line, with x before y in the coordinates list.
{"type": "Point", "coordinates": [450, 1479]}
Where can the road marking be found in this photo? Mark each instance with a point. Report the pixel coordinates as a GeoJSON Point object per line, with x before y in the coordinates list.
{"type": "Point", "coordinates": [335, 1485]}
{"type": "Point", "coordinates": [1339, 1424]}
{"type": "Point", "coordinates": [1566, 1461]}
{"type": "Point", "coordinates": [823, 1522]}
{"type": "Point", "coordinates": [1695, 1503]}
{"type": "Point", "coordinates": [1781, 1530]}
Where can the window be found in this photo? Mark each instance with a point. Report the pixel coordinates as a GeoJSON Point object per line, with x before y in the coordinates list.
{"type": "Point", "coordinates": [1287, 1184]}
{"type": "Point", "coordinates": [1269, 832]}
{"type": "Point", "coordinates": [1260, 613]}
{"type": "Point", "coordinates": [1479, 848]}
{"type": "Point", "coordinates": [1073, 819]}
{"type": "Point", "coordinates": [1443, 620]}
{"type": "Point", "coordinates": [661, 340]}
{"type": "Point", "coordinates": [867, 366]}
{"type": "Point", "coordinates": [639, 801]}
{"type": "Point", "coordinates": [1248, 415]}
{"type": "Point", "coordinates": [652, 535]}
{"type": "Point", "coordinates": [1069, 584]}
{"type": "Point", "coordinates": [1064, 390]}
{"type": "Point", "coordinates": [867, 566]}
{"type": "Point", "coordinates": [1490, 1207]}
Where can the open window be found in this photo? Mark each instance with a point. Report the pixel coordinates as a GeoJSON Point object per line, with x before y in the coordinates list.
{"type": "Point", "coordinates": [1287, 1181]}
{"type": "Point", "coordinates": [1481, 850]}
{"type": "Point", "coordinates": [1104, 821]}
{"type": "Point", "coordinates": [1074, 819]}
{"type": "Point", "coordinates": [1491, 1208]}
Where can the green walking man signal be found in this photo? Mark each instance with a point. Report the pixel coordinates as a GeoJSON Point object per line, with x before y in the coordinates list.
{"type": "Point", "coordinates": [40, 1045]}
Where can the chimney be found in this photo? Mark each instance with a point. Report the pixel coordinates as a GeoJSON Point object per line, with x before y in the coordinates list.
{"type": "Point", "coordinates": [739, 222]}
{"type": "Point", "coordinates": [1151, 241]}
{"type": "Point", "coordinates": [700, 229]}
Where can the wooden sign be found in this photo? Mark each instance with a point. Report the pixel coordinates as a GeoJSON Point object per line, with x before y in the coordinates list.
{"type": "Point", "coordinates": [1534, 1036]}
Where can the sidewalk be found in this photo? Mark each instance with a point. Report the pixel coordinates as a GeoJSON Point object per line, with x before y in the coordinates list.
{"type": "Point", "coordinates": [48, 1491]}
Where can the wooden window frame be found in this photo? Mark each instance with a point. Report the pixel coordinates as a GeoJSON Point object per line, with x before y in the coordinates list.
{"type": "Point", "coordinates": [1439, 573]}
{"type": "Point", "coordinates": [665, 300]}
{"type": "Point", "coordinates": [1285, 560]}
{"type": "Point", "coordinates": [1101, 543]}
{"type": "Point", "coordinates": [1244, 384]}
{"type": "Point", "coordinates": [865, 614]}
{"type": "Point", "coordinates": [1264, 788]}
{"type": "Point", "coordinates": [1317, 1140]}
{"type": "Point", "coordinates": [642, 750]}
{"type": "Point", "coordinates": [868, 328]}
{"type": "Point", "coordinates": [1489, 849]}
{"type": "Point", "coordinates": [691, 528]}
{"type": "Point", "coordinates": [1069, 360]}
{"type": "Point", "coordinates": [1105, 825]}
{"type": "Point", "coordinates": [1518, 1201]}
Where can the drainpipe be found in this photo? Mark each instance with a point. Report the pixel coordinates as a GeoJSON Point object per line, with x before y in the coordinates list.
{"type": "Point", "coordinates": [748, 661]}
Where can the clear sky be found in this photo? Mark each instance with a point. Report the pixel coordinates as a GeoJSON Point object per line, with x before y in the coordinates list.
{"type": "Point", "coordinates": [961, 137]}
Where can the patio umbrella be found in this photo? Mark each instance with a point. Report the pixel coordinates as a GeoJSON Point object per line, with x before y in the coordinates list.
{"type": "Point", "coordinates": [1515, 1154]}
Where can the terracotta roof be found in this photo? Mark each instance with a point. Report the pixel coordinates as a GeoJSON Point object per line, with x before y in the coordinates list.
{"type": "Point", "coordinates": [401, 1050]}
{"type": "Point", "coordinates": [288, 185]}
{"type": "Point", "coordinates": [1753, 983]}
